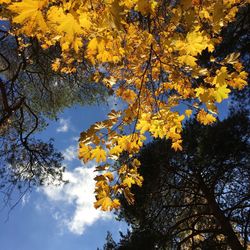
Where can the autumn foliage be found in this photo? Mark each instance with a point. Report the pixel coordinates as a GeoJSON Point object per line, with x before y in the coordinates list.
{"type": "Point", "coordinates": [149, 52]}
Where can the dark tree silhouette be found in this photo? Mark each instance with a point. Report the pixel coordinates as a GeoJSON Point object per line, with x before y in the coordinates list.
{"type": "Point", "coordinates": [197, 198]}
{"type": "Point", "coordinates": [30, 93]}
{"type": "Point", "coordinates": [110, 243]}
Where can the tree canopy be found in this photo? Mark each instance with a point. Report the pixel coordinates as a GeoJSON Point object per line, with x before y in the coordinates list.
{"type": "Point", "coordinates": [31, 94]}
{"type": "Point", "coordinates": [160, 57]}
{"type": "Point", "coordinates": [197, 198]}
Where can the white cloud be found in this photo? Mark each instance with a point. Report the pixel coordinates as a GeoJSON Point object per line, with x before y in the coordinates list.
{"type": "Point", "coordinates": [75, 138]}
{"type": "Point", "coordinates": [79, 194]}
{"type": "Point", "coordinates": [70, 153]}
{"type": "Point", "coordinates": [63, 125]}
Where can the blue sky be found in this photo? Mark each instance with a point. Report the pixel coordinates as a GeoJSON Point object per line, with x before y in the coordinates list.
{"type": "Point", "coordinates": [62, 217]}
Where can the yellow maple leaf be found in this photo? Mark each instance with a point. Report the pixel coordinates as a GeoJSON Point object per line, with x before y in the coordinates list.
{"type": "Point", "coordinates": [64, 24]}
{"type": "Point", "coordinates": [98, 154]}
{"type": "Point", "coordinates": [116, 204]}
{"type": "Point", "coordinates": [77, 44]}
{"type": "Point", "coordinates": [127, 95]}
{"type": "Point", "coordinates": [239, 81]}
{"type": "Point", "coordinates": [204, 94]}
{"type": "Point", "coordinates": [116, 150]}
{"type": "Point", "coordinates": [29, 14]}
{"type": "Point", "coordinates": [143, 123]}
{"type": "Point", "coordinates": [157, 129]}
{"type": "Point", "coordinates": [188, 112]}
{"type": "Point", "coordinates": [177, 145]}
{"type": "Point", "coordinates": [128, 181]}
{"type": "Point", "coordinates": [194, 43]}
{"type": "Point", "coordinates": [93, 45]}
{"type": "Point", "coordinates": [221, 93]}
{"type": "Point", "coordinates": [204, 118]}
{"type": "Point", "coordinates": [188, 60]}
{"type": "Point", "coordinates": [104, 203]}
{"type": "Point", "coordinates": [84, 20]}
{"type": "Point", "coordinates": [130, 143]}
{"type": "Point", "coordinates": [84, 152]}
{"type": "Point", "coordinates": [221, 77]}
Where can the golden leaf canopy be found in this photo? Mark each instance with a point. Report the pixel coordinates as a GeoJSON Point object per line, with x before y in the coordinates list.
{"type": "Point", "coordinates": [148, 52]}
